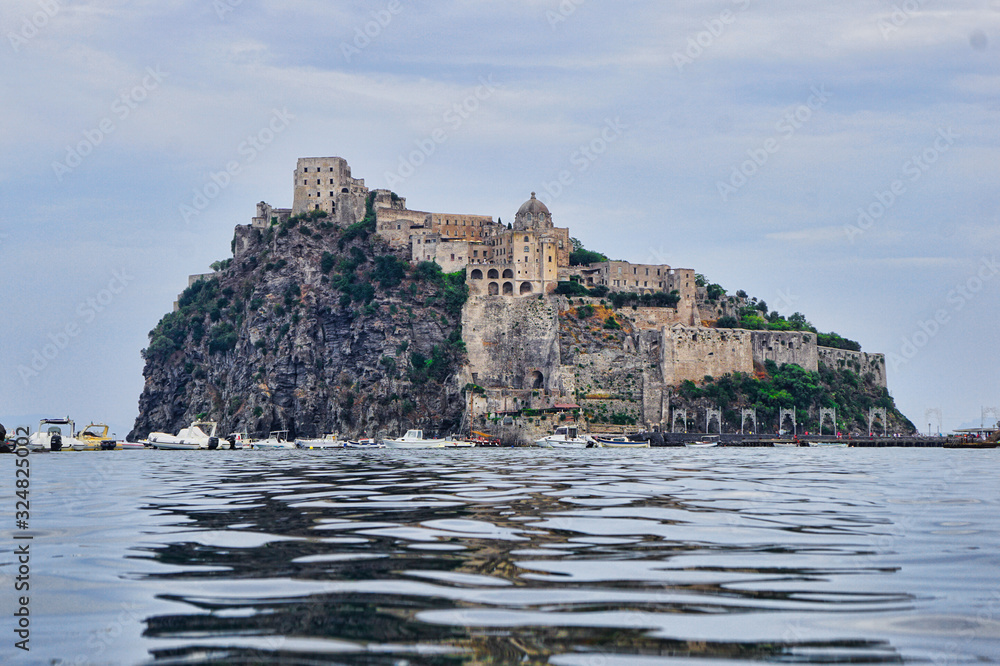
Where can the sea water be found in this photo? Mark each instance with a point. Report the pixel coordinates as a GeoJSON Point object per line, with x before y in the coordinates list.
{"type": "Point", "coordinates": [507, 556]}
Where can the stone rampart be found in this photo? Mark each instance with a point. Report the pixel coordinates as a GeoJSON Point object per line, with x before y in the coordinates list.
{"type": "Point", "coordinates": [860, 362]}
{"type": "Point", "coordinates": [512, 344]}
{"type": "Point", "coordinates": [690, 353]}
{"type": "Point", "coordinates": [785, 347]}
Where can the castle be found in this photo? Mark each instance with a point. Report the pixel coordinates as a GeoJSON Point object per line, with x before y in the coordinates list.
{"type": "Point", "coordinates": [518, 351]}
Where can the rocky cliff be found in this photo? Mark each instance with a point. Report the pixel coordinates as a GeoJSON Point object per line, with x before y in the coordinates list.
{"type": "Point", "coordinates": [310, 328]}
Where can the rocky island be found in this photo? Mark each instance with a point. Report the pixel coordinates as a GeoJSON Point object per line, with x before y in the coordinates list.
{"type": "Point", "coordinates": [352, 313]}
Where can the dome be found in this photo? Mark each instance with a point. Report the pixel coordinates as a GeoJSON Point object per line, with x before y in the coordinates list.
{"type": "Point", "coordinates": [533, 207]}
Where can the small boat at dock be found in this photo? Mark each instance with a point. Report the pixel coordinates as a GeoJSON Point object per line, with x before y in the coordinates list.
{"type": "Point", "coordinates": [198, 435]}
{"type": "Point", "coordinates": [566, 437]}
{"type": "Point", "coordinates": [330, 441]}
{"type": "Point", "coordinates": [54, 435]}
{"type": "Point", "coordinates": [619, 442]}
{"type": "Point", "coordinates": [414, 439]}
{"type": "Point", "coordinates": [364, 443]}
{"type": "Point", "coordinates": [706, 442]}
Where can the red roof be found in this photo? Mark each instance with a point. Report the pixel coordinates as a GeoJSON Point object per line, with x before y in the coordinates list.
{"type": "Point", "coordinates": [560, 405]}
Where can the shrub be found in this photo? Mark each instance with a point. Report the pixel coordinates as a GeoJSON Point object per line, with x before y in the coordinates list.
{"type": "Point", "coordinates": [222, 338]}
{"type": "Point", "coordinates": [572, 288]}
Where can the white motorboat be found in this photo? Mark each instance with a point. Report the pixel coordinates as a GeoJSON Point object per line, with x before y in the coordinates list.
{"type": "Point", "coordinates": [277, 439]}
{"type": "Point", "coordinates": [414, 439]}
{"type": "Point", "coordinates": [55, 435]}
{"type": "Point", "coordinates": [566, 437]}
{"type": "Point", "coordinates": [330, 441]}
{"type": "Point", "coordinates": [365, 443]}
{"type": "Point", "coordinates": [840, 444]}
{"type": "Point", "coordinates": [784, 444]}
{"type": "Point", "coordinates": [199, 435]}
{"type": "Point", "coordinates": [704, 443]}
{"type": "Point", "coordinates": [619, 442]}
{"type": "Point", "coordinates": [458, 443]}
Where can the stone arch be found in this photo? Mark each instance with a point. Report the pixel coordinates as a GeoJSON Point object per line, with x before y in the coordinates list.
{"type": "Point", "coordinates": [344, 190]}
{"type": "Point", "coordinates": [526, 288]}
{"type": "Point", "coordinates": [477, 274]}
{"type": "Point", "coordinates": [537, 380]}
{"type": "Point", "coordinates": [494, 289]}
{"type": "Point", "coordinates": [508, 274]}
{"type": "Point", "coordinates": [508, 288]}
{"type": "Point", "coordinates": [494, 274]}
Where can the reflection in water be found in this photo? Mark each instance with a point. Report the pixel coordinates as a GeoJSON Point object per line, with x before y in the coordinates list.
{"type": "Point", "coordinates": [584, 557]}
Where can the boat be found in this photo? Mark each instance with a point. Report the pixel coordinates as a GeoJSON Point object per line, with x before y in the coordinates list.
{"type": "Point", "coordinates": [619, 442]}
{"type": "Point", "coordinates": [95, 438]}
{"type": "Point", "coordinates": [705, 442]}
{"type": "Point", "coordinates": [414, 439]}
{"type": "Point", "coordinates": [126, 445]}
{"type": "Point", "coordinates": [365, 443]}
{"type": "Point", "coordinates": [840, 444]}
{"type": "Point", "coordinates": [458, 443]}
{"type": "Point", "coordinates": [54, 435]}
{"type": "Point", "coordinates": [188, 439]}
{"type": "Point", "coordinates": [481, 439]}
{"type": "Point", "coordinates": [329, 441]}
{"type": "Point", "coordinates": [784, 444]}
{"type": "Point", "coordinates": [236, 440]}
{"type": "Point", "coordinates": [566, 437]}
{"type": "Point", "coordinates": [277, 439]}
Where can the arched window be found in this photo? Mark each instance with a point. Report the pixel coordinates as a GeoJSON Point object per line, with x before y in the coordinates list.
{"type": "Point", "coordinates": [494, 289]}
{"type": "Point", "coordinates": [508, 288]}
{"type": "Point", "coordinates": [508, 273]}
{"type": "Point", "coordinates": [494, 274]}
{"type": "Point", "coordinates": [477, 274]}
{"type": "Point", "coordinates": [525, 288]}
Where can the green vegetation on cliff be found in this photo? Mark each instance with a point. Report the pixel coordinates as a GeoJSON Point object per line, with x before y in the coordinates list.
{"type": "Point", "coordinates": [791, 387]}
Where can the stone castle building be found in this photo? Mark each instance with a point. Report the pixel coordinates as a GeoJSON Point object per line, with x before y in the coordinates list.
{"type": "Point", "coordinates": [512, 330]}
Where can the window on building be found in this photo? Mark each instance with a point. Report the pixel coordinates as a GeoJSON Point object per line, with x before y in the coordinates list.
{"type": "Point", "coordinates": [526, 250]}
{"type": "Point", "coordinates": [306, 170]}
{"type": "Point", "coordinates": [475, 253]}
{"type": "Point", "coordinates": [453, 256]}
{"type": "Point", "coordinates": [525, 239]}
{"type": "Point", "coordinates": [331, 194]}
{"type": "Point", "coordinates": [319, 182]}
{"type": "Point", "coordinates": [331, 181]}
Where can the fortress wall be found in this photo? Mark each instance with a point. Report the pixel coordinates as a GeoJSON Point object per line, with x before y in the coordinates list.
{"type": "Point", "coordinates": [509, 340]}
{"type": "Point", "coordinates": [396, 226]}
{"type": "Point", "coordinates": [655, 319]}
{"type": "Point", "coordinates": [691, 353]}
{"type": "Point", "coordinates": [785, 347]}
{"type": "Point", "coordinates": [860, 362]}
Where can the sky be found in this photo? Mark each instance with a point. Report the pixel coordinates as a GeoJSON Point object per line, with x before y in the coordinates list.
{"type": "Point", "coordinates": [837, 159]}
